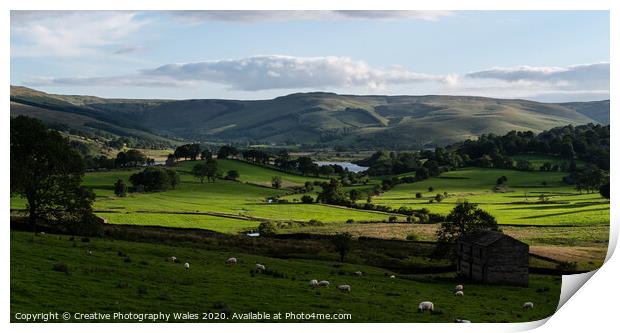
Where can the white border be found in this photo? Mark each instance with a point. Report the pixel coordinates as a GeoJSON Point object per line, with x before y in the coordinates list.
{"type": "Point", "coordinates": [593, 307]}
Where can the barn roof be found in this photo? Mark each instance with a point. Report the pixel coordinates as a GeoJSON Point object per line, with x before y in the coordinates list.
{"type": "Point", "coordinates": [485, 237]}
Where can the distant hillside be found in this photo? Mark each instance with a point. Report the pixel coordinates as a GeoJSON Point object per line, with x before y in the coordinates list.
{"type": "Point", "coordinates": [323, 119]}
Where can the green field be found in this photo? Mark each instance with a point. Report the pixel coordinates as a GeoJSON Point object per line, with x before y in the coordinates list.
{"type": "Point", "coordinates": [518, 205]}
{"type": "Point", "coordinates": [107, 281]}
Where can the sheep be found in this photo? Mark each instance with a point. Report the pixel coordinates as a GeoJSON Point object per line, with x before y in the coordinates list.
{"type": "Point", "coordinates": [392, 276]}
{"type": "Point", "coordinates": [260, 268]}
{"type": "Point", "coordinates": [462, 321]}
{"type": "Point", "coordinates": [323, 283]}
{"type": "Point", "coordinates": [173, 259]}
{"type": "Point", "coordinates": [314, 283]}
{"type": "Point", "coordinates": [186, 265]}
{"type": "Point", "coordinates": [344, 287]}
{"type": "Point", "coordinates": [231, 261]}
{"type": "Point", "coordinates": [528, 305]}
{"type": "Point", "coordinates": [358, 273]}
{"type": "Point", "coordinates": [459, 293]}
{"type": "Point", "coordinates": [90, 252]}
{"type": "Point", "coordinates": [459, 287]}
{"type": "Point", "coordinates": [426, 305]}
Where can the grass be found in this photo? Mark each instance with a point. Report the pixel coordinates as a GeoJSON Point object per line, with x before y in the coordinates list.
{"type": "Point", "coordinates": [518, 205]}
{"type": "Point", "coordinates": [108, 282]}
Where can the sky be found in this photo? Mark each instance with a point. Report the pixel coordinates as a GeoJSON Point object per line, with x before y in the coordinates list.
{"type": "Point", "coordinates": [549, 56]}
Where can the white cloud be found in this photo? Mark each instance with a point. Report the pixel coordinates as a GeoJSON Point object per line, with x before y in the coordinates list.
{"type": "Point", "coordinates": [70, 33]}
{"type": "Point", "coordinates": [264, 73]}
{"type": "Point", "coordinates": [199, 16]}
{"type": "Point", "coordinates": [592, 76]}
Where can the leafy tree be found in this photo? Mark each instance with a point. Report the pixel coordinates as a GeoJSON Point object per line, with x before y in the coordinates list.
{"type": "Point", "coordinates": [130, 158]}
{"type": "Point", "coordinates": [524, 165]}
{"type": "Point", "coordinates": [306, 166]}
{"type": "Point", "coordinates": [152, 179]}
{"type": "Point", "coordinates": [342, 244]}
{"type": "Point", "coordinates": [418, 195]}
{"type": "Point", "coordinates": [438, 197]}
{"type": "Point", "coordinates": [355, 195]}
{"type": "Point", "coordinates": [226, 151]}
{"type": "Point", "coordinates": [463, 219]}
{"type": "Point", "coordinates": [431, 189]}
{"type": "Point", "coordinates": [120, 189]}
{"type": "Point", "coordinates": [276, 182]}
{"type": "Point", "coordinates": [501, 180]}
{"type": "Point", "coordinates": [333, 193]}
{"type": "Point", "coordinates": [307, 199]}
{"type": "Point", "coordinates": [47, 173]}
{"type": "Point", "coordinates": [174, 178]}
{"type": "Point", "coordinates": [207, 170]}
{"type": "Point", "coordinates": [232, 175]}
{"type": "Point", "coordinates": [267, 228]}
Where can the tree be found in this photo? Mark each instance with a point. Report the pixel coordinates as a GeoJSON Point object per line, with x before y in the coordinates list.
{"type": "Point", "coordinates": [120, 189]}
{"type": "Point", "coordinates": [276, 182]}
{"type": "Point", "coordinates": [431, 189]}
{"type": "Point", "coordinates": [418, 195]}
{"type": "Point", "coordinates": [152, 179]}
{"type": "Point", "coordinates": [305, 165]}
{"type": "Point", "coordinates": [438, 197]}
{"type": "Point", "coordinates": [333, 193]}
{"type": "Point", "coordinates": [267, 228]}
{"type": "Point", "coordinates": [307, 199]}
{"type": "Point", "coordinates": [226, 151]}
{"type": "Point", "coordinates": [232, 175]}
{"type": "Point", "coordinates": [355, 195]}
{"type": "Point", "coordinates": [174, 178]}
{"type": "Point", "coordinates": [523, 165]}
{"type": "Point", "coordinates": [604, 190]}
{"type": "Point", "coordinates": [501, 180]}
{"type": "Point", "coordinates": [342, 244]}
{"type": "Point", "coordinates": [130, 158]}
{"type": "Point", "coordinates": [463, 219]}
{"type": "Point", "coordinates": [200, 171]}
{"type": "Point", "coordinates": [47, 172]}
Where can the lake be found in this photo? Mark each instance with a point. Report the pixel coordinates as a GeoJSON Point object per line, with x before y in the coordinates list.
{"type": "Point", "coordinates": [347, 165]}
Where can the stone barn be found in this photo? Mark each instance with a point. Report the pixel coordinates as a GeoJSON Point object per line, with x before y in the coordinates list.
{"type": "Point", "coordinates": [493, 257]}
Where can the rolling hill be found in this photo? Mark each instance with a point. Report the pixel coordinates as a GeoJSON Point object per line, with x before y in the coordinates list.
{"type": "Point", "coordinates": [319, 118]}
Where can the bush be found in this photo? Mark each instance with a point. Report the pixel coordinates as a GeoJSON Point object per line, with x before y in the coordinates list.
{"type": "Point", "coordinates": [349, 221]}
{"type": "Point", "coordinates": [307, 199]}
{"type": "Point", "coordinates": [430, 189]}
{"type": "Point", "coordinates": [267, 229]}
{"type": "Point", "coordinates": [60, 267]}
{"type": "Point", "coordinates": [418, 195]}
{"type": "Point", "coordinates": [393, 218]}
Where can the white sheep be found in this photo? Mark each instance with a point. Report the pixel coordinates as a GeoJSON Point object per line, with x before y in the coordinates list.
{"type": "Point", "coordinates": [344, 287]}
{"type": "Point", "coordinates": [358, 273]}
{"type": "Point", "coordinates": [90, 252]}
{"type": "Point", "coordinates": [462, 321]}
{"type": "Point", "coordinates": [459, 287]}
{"type": "Point", "coordinates": [260, 268]}
{"type": "Point", "coordinates": [459, 293]}
{"type": "Point", "coordinates": [231, 261]}
{"type": "Point", "coordinates": [392, 276]}
{"type": "Point", "coordinates": [528, 305]}
{"type": "Point", "coordinates": [426, 305]}
{"type": "Point", "coordinates": [173, 259]}
{"type": "Point", "coordinates": [186, 265]}
{"type": "Point", "coordinates": [314, 283]}
{"type": "Point", "coordinates": [323, 283]}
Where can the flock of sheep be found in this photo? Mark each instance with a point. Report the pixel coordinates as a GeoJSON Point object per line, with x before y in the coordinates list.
{"type": "Point", "coordinates": [422, 307]}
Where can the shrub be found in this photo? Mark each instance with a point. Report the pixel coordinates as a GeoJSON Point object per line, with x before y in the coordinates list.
{"type": "Point", "coordinates": [60, 267]}
{"type": "Point", "coordinates": [267, 229]}
{"type": "Point", "coordinates": [307, 199]}
{"type": "Point", "coordinates": [349, 221]}
{"type": "Point", "coordinates": [430, 189]}
{"type": "Point", "coordinates": [418, 195]}
{"type": "Point", "coordinates": [393, 218]}
{"type": "Point", "coordinates": [438, 197]}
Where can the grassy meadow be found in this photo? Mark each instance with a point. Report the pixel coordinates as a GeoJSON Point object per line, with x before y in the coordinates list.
{"type": "Point", "coordinates": [131, 276]}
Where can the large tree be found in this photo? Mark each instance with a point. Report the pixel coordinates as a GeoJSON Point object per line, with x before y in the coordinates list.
{"type": "Point", "coordinates": [465, 218]}
{"type": "Point", "coordinates": [47, 172]}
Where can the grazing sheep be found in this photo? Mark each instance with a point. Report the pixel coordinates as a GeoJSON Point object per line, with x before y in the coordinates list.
{"type": "Point", "coordinates": [459, 293]}
{"type": "Point", "coordinates": [392, 276]}
{"type": "Point", "coordinates": [90, 253]}
{"type": "Point", "coordinates": [323, 283]}
{"type": "Point", "coordinates": [528, 305]}
{"type": "Point", "coordinates": [314, 283]}
{"type": "Point", "coordinates": [358, 273]}
{"type": "Point", "coordinates": [426, 306]}
{"type": "Point", "coordinates": [260, 268]}
{"type": "Point", "coordinates": [186, 265]}
{"type": "Point", "coordinates": [231, 261]}
{"type": "Point", "coordinates": [462, 321]}
{"type": "Point", "coordinates": [459, 287]}
{"type": "Point", "coordinates": [173, 259]}
{"type": "Point", "coordinates": [344, 287]}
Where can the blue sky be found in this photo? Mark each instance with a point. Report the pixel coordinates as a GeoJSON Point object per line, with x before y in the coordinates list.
{"type": "Point", "coordinates": [544, 55]}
